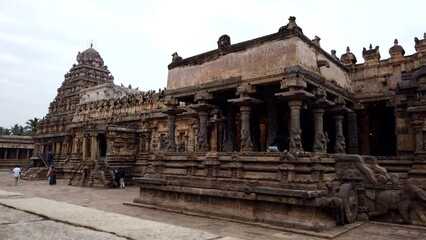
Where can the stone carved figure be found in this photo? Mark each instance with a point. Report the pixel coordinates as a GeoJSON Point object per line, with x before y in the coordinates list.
{"type": "Point", "coordinates": [245, 139]}
{"type": "Point", "coordinates": [320, 144]}
{"type": "Point", "coordinates": [202, 141]}
{"type": "Point", "coordinates": [348, 58]}
{"type": "Point", "coordinates": [295, 140]}
{"type": "Point", "coordinates": [224, 41]}
{"type": "Point", "coordinates": [164, 142]}
{"type": "Point", "coordinates": [176, 57]}
{"type": "Point", "coordinates": [401, 200]}
{"type": "Point", "coordinates": [340, 144]}
{"type": "Point", "coordinates": [291, 25]}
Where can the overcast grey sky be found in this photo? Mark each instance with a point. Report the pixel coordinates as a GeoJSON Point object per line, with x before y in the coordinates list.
{"type": "Point", "coordinates": [39, 40]}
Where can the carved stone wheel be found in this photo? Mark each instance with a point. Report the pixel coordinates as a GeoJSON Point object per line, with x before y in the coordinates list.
{"type": "Point", "coordinates": [349, 197]}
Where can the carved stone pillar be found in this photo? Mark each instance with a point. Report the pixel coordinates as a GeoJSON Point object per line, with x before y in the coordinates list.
{"type": "Point", "coordinates": [203, 143]}
{"type": "Point", "coordinates": [191, 138]}
{"type": "Point", "coordinates": [171, 119]}
{"type": "Point", "coordinates": [230, 129]}
{"type": "Point", "coordinates": [295, 130]}
{"type": "Point", "coordinates": [293, 86]}
{"type": "Point", "coordinates": [318, 108]}
{"type": "Point", "coordinates": [320, 142]}
{"type": "Point", "coordinates": [216, 133]}
{"type": "Point", "coordinates": [340, 144]}
{"type": "Point", "coordinates": [84, 147]}
{"type": "Point", "coordinates": [353, 147]}
{"type": "Point", "coordinates": [418, 127]}
{"type": "Point", "coordinates": [171, 112]}
{"type": "Point", "coordinates": [245, 102]}
{"type": "Point", "coordinates": [246, 144]}
{"type": "Point", "coordinates": [94, 147]}
{"type": "Point", "coordinates": [203, 108]}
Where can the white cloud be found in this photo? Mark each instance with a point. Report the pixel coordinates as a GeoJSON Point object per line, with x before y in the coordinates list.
{"type": "Point", "coordinates": [7, 20]}
{"type": "Point", "coordinates": [9, 58]}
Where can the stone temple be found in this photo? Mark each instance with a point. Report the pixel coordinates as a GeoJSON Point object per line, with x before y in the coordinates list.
{"type": "Point", "coordinates": [353, 136]}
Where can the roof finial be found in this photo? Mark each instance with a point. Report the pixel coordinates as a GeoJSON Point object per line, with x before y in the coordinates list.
{"type": "Point", "coordinates": [91, 43]}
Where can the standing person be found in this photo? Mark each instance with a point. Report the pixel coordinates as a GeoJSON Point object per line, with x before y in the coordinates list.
{"type": "Point", "coordinates": [122, 174]}
{"type": "Point", "coordinates": [49, 159]}
{"type": "Point", "coordinates": [280, 142]}
{"type": "Point", "coordinates": [16, 174]}
{"type": "Point", "coordinates": [117, 178]}
{"type": "Point", "coordinates": [51, 174]}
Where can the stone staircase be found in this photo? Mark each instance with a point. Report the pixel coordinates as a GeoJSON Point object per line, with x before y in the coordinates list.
{"type": "Point", "coordinates": [400, 165]}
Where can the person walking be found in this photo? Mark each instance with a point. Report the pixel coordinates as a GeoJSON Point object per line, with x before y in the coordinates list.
{"type": "Point", "coordinates": [16, 174]}
{"type": "Point", "coordinates": [51, 174]}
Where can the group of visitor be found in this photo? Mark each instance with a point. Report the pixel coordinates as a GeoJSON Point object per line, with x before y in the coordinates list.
{"type": "Point", "coordinates": [119, 174]}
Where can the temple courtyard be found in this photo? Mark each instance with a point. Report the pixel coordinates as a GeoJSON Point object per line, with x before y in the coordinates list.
{"type": "Point", "coordinates": [37, 210]}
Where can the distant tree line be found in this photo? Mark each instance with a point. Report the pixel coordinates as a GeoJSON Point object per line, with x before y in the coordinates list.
{"type": "Point", "coordinates": [29, 129]}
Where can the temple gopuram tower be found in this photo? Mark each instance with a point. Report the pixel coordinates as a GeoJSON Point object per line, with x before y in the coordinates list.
{"type": "Point", "coordinates": [53, 130]}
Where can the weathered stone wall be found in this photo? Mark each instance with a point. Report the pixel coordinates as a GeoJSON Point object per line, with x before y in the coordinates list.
{"type": "Point", "coordinates": [382, 77]}
{"type": "Point", "coordinates": [258, 61]}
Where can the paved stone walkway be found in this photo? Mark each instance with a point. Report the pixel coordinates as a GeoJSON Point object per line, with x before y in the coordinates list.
{"type": "Point", "coordinates": [37, 210]}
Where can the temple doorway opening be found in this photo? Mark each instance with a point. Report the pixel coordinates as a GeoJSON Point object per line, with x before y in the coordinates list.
{"type": "Point", "coordinates": [102, 144]}
{"type": "Point", "coordinates": [377, 129]}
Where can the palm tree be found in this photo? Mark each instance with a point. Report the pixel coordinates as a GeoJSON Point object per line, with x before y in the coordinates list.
{"type": "Point", "coordinates": [31, 127]}
{"type": "Point", "coordinates": [17, 130]}
{"type": "Point", "coordinates": [4, 131]}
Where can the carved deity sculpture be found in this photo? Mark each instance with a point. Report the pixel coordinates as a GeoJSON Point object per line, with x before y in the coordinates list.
{"type": "Point", "coordinates": [320, 144]}
{"type": "Point", "coordinates": [295, 140]}
{"type": "Point", "coordinates": [340, 146]}
{"type": "Point", "coordinates": [202, 143]}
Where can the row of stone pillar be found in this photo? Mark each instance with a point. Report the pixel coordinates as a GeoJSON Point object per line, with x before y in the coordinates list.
{"type": "Point", "coordinates": [245, 102]}
{"type": "Point", "coordinates": [17, 151]}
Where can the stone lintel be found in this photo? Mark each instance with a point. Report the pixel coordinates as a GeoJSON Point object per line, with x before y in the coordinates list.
{"type": "Point", "coordinates": [295, 95]}
{"type": "Point", "coordinates": [321, 103]}
{"type": "Point", "coordinates": [202, 107]}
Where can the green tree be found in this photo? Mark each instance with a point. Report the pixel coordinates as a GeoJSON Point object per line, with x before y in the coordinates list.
{"type": "Point", "coordinates": [4, 131]}
{"type": "Point", "coordinates": [31, 126]}
{"type": "Point", "coordinates": [17, 129]}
